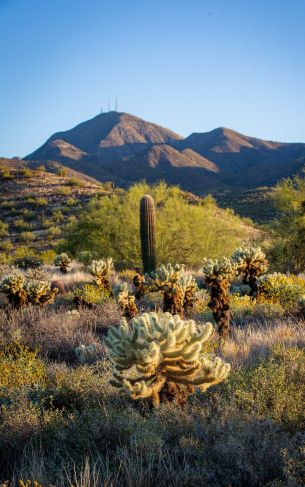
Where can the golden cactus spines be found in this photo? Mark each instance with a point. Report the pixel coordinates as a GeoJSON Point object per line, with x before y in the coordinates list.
{"type": "Point", "coordinates": [217, 276]}
{"type": "Point", "coordinates": [100, 270]}
{"type": "Point", "coordinates": [160, 357]}
{"type": "Point", "coordinates": [62, 261]}
{"type": "Point", "coordinates": [251, 263]}
{"type": "Point", "coordinates": [127, 302]}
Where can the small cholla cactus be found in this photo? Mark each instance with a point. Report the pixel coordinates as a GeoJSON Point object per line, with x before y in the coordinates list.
{"type": "Point", "coordinates": [127, 302]}
{"type": "Point", "coordinates": [85, 353]}
{"type": "Point", "coordinates": [62, 261]}
{"type": "Point", "coordinates": [39, 292]}
{"type": "Point", "coordinates": [100, 270]}
{"type": "Point", "coordinates": [251, 264]}
{"type": "Point", "coordinates": [217, 276]}
{"type": "Point", "coordinates": [166, 279]}
{"type": "Point", "coordinates": [161, 358]}
{"type": "Point", "coordinates": [189, 288]}
{"type": "Point", "coordinates": [13, 286]}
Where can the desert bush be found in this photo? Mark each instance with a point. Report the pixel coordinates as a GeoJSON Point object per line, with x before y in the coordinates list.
{"type": "Point", "coordinates": [90, 295]}
{"type": "Point", "coordinates": [160, 358]}
{"type": "Point", "coordinates": [3, 229]}
{"type": "Point", "coordinates": [53, 232]}
{"type": "Point", "coordinates": [27, 236]}
{"type": "Point", "coordinates": [282, 289]}
{"type": "Point", "coordinates": [19, 367]}
{"type": "Point", "coordinates": [28, 262]}
{"type": "Point", "coordinates": [197, 232]}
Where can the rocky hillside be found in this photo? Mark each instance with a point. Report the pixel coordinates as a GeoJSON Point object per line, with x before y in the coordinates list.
{"type": "Point", "coordinates": [37, 205]}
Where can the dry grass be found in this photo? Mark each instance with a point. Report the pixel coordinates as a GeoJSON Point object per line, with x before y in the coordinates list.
{"type": "Point", "coordinates": [247, 345]}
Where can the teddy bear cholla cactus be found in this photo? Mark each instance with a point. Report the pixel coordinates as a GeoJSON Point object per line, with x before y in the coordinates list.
{"type": "Point", "coordinates": [189, 288]}
{"type": "Point", "coordinates": [166, 279]}
{"type": "Point", "coordinates": [127, 302]}
{"type": "Point", "coordinates": [62, 261]}
{"type": "Point", "coordinates": [160, 357]}
{"type": "Point", "coordinates": [217, 276]}
{"type": "Point", "coordinates": [12, 285]}
{"type": "Point", "coordinates": [39, 291]}
{"type": "Point", "coordinates": [22, 290]}
{"type": "Point", "coordinates": [100, 270]}
{"type": "Point", "coordinates": [251, 264]}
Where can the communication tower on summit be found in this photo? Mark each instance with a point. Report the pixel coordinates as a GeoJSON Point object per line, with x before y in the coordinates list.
{"type": "Point", "coordinates": [116, 105]}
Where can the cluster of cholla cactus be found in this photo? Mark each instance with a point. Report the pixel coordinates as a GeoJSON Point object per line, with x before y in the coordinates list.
{"type": "Point", "coordinates": [12, 285]}
{"type": "Point", "coordinates": [62, 261]}
{"type": "Point", "coordinates": [178, 289]}
{"type": "Point", "coordinates": [161, 358]}
{"type": "Point", "coordinates": [217, 276]}
{"type": "Point", "coordinates": [127, 302]}
{"type": "Point", "coordinates": [22, 290]}
{"type": "Point", "coordinates": [166, 279]}
{"type": "Point", "coordinates": [189, 288]}
{"type": "Point", "coordinates": [100, 270]}
{"type": "Point", "coordinates": [251, 263]}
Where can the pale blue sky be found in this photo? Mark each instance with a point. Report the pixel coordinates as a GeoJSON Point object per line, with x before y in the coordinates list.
{"type": "Point", "coordinates": [189, 65]}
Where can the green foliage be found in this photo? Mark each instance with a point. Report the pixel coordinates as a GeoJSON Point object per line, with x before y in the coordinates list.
{"type": "Point", "coordinates": [90, 294]}
{"type": "Point", "coordinates": [162, 351]}
{"type": "Point", "coordinates": [75, 182]}
{"type": "Point", "coordinates": [19, 367]}
{"type": "Point", "coordinates": [185, 232]}
{"type": "Point", "coordinates": [282, 289]}
{"type": "Point", "coordinates": [27, 237]}
{"type": "Point", "coordinates": [274, 388]}
{"type": "Point", "coordinates": [41, 201]}
{"type": "Point", "coordinates": [53, 232]}
{"type": "Point", "coordinates": [28, 262]}
{"type": "Point", "coordinates": [62, 172]}
{"type": "Point", "coordinates": [3, 229]}
{"type": "Point", "coordinates": [287, 251]}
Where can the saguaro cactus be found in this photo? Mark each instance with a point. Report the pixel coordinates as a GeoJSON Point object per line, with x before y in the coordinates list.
{"type": "Point", "coordinates": [148, 233]}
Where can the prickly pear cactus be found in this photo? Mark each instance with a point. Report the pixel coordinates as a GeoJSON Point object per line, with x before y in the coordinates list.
{"type": "Point", "coordinates": [161, 358]}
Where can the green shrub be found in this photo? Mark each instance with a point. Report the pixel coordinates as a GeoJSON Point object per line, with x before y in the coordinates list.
{"type": "Point", "coordinates": [27, 237]}
{"type": "Point", "coordinates": [53, 232]}
{"type": "Point", "coordinates": [282, 289]}
{"type": "Point", "coordinates": [186, 232]}
{"type": "Point", "coordinates": [41, 201]}
{"type": "Point", "coordinates": [4, 232]}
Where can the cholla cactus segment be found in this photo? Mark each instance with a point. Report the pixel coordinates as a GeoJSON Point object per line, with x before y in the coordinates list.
{"type": "Point", "coordinates": [62, 261]}
{"type": "Point", "coordinates": [218, 270]}
{"type": "Point", "coordinates": [250, 258]}
{"type": "Point", "coordinates": [100, 270]}
{"type": "Point", "coordinates": [85, 353]}
{"type": "Point", "coordinates": [127, 302]}
{"type": "Point", "coordinates": [165, 274]}
{"type": "Point", "coordinates": [160, 349]}
{"type": "Point", "coordinates": [39, 291]}
{"type": "Point", "coordinates": [189, 289]}
{"type": "Point", "coordinates": [217, 276]}
{"type": "Point", "coordinates": [12, 283]}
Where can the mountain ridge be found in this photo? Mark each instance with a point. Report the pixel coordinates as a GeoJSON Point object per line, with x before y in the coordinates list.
{"type": "Point", "coordinates": [124, 148]}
